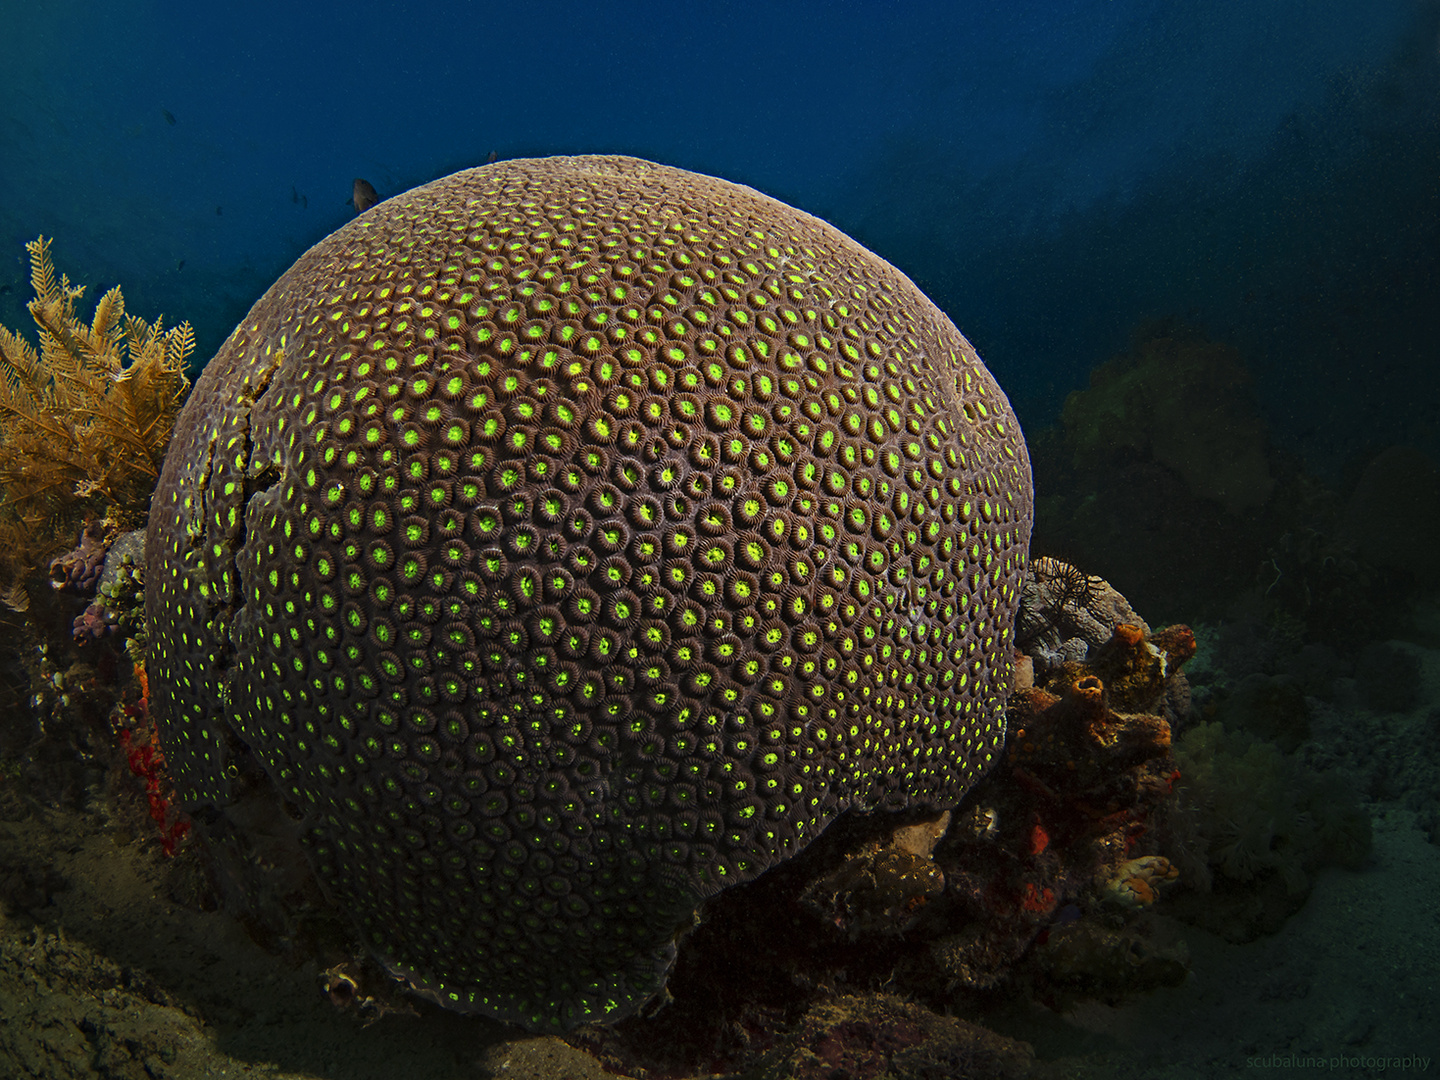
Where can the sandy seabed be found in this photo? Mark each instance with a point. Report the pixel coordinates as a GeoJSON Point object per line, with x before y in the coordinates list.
{"type": "Point", "coordinates": [108, 970]}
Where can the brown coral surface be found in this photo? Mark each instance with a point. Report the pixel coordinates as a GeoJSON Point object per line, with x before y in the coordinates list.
{"type": "Point", "coordinates": [571, 539]}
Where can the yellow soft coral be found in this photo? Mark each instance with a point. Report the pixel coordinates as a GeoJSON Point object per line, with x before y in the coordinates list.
{"type": "Point", "coordinates": [86, 418]}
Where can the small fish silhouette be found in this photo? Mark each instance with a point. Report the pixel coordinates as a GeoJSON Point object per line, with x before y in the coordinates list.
{"type": "Point", "coordinates": [169, 116]}
{"type": "Point", "coordinates": [363, 196]}
{"type": "Point", "coordinates": [492, 158]}
{"type": "Point", "coordinates": [302, 201]}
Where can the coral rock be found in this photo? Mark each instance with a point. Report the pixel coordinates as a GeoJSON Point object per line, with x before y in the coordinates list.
{"type": "Point", "coordinates": [79, 570]}
{"type": "Point", "coordinates": [1136, 882]}
{"type": "Point", "coordinates": [570, 539]}
{"type": "Point", "coordinates": [1075, 812]}
{"type": "Point", "coordinates": [1111, 963]}
{"type": "Point", "coordinates": [1135, 665]}
{"type": "Point", "coordinates": [881, 888]}
{"type": "Point", "coordinates": [1065, 613]}
{"type": "Point", "coordinates": [1076, 741]}
{"type": "Point", "coordinates": [880, 1037]}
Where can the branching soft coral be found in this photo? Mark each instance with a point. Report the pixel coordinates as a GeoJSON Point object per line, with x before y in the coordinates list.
{"type": "Point", "coordinates": [85, 419]}
{"type": "Point", "coordinates": [1257, 811]}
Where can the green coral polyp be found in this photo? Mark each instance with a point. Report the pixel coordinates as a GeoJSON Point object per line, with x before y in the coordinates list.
{"type": "Point", "coordinates": [564, 587]}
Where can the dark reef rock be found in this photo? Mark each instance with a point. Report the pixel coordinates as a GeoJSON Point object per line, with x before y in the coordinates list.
{"type": "Point", "coordinates": [1388, 678]}
{"type": "Point", "coordinates": [1069, 825]}
{"type": "Point", "coordinates": [881, 1037]}
{"type": "Point", "coordinates": [1089, 960]}
{"type": "Point", "coordinates": [881, 887]}
{"type": "Point", "coordinates": [1064, 613]}
{"type": "Point", "coordinates": [120, 595]}
{"type": "Point", "coordinates": [79, 570]}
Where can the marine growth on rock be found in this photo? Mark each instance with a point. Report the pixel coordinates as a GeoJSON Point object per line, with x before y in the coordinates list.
{"type": "Point", "coordinates": [571, 539]}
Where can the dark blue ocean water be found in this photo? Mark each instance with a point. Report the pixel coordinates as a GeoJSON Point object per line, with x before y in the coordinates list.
{"type": "Point", "coordinates": [1057, 175]}
{"type": "Point", "coordinates": [1050, 172]}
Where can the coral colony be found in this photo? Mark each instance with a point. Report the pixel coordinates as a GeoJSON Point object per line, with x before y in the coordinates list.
{"type": "Point", "coordinates": [566, 541]}
{"type": "Point", "coordinates": [570, 540]}
{"type": "Point", "coordinates": [84, 420]}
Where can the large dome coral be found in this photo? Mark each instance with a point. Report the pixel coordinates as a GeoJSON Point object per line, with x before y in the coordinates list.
{"type": "Point", "coordinates": [570, 539]}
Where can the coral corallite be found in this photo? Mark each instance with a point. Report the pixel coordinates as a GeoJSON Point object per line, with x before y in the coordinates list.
{"type": "Point", "coordinates": [571, 539]}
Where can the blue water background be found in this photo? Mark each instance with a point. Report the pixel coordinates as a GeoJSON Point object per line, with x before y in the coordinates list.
{"type": "Point", "coordinates": [1052, 173]}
